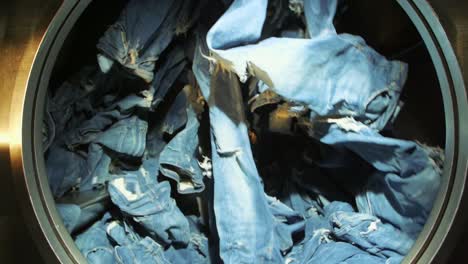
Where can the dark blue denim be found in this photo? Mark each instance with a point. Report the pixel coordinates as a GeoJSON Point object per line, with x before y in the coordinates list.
{"type": "Point", "coordinates": [143, 31]}
{"type": "Point", "coordinates": [176, 117]}
{"type": "Point", "coordinates": [128, 136]}
{"type": "Point", "coordinates": [151, 206]}
{"type": "Point", "coordinates": [69, 166]}
{"type": "Point", "coordinates": [65, 169]}
{"type": "Point", "coordinates": [404, 184]}
{"type": "Point", "coordinates": [90, 129]}
{"type": "Point", "coordinates": [95, 244]}
{"type": "Point", "coordinates": [167, 74]}
{"type": "Point", "coordinates": [179, 161]}
{"type": "Point", "coordinates": [196, 252]}
{"type": "Point", "coordinates": [98, 163]}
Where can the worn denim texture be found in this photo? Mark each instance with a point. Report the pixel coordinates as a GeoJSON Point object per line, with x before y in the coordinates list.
{"type": "Point", "coordinates": [196, 252]}
{"type": "Point", "coordinates": [403, 187]}
{"type": "Point", "coordinates": [143, 251]}
{"type": "Point", "coordinates": [70, 214]}
{"type": "Point", "coordinates": [370, 234]}
{"type": "Point", "coordinates": [179, 161]}
{"type": "Point", "coordinates": [265, 68]}
{"type": "Point", "coordinates": [176, 117]}
{"type": "Point", "coordinates": [131, 247]}
{"type": "Point", "coordinates": [151, 206]}
{"type": "Point", "coordinates": [249, 235]}
{"type": "Point", "coordinates": [143, 32]}
{"type": "Point", "coordinates": [167, 74]}
{"type": "Point", "coordinates": [127, 136]}
{"type": "Point", "coordinates": [335, 75]}
{"type": "Point", "coordinates": [95, 244]}
{"type": "Point", "coordinates": [340, 235]}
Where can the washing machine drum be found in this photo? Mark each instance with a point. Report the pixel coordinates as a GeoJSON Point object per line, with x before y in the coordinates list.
{"type": "Point", "coordinates": [193, 128]}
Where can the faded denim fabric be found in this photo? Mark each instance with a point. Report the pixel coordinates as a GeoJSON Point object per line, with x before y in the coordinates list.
{"type": "Point", "coordinates": [196, 252]}
{"type": "Point", "coordinates": [68, 165]}
{"type": "Point", "coordinates": [403, 187]}
{"type": "Point", "coordinates": [121, 233]}
{"type": "Point", "coordinates": [70, 214]}
{"type": "Point", "coordinates": [179, 161]}
{"type": "Point", "coordinates": [127, 136]}
{"type": "Point", "coordinates": [95, 245]}
{"type": "Point", "coordinates": [143, 31]}
{"type": "Point", "coordinates": [132, 248]}
{"type": "Point", "coordinates": [340, 235]}
{"type": "Point", "coordinates": [64, 169]}
{"type": "Point", "coordinates": [167, 74]}
{"type": "Point", "coordinates": [370, 234]}
{"type": "Point", "coordinates": [246, 235]}
{"type": "Point", "coordinates": [151, 206]}
{"type": "Point", "coordinates": [176, 116]}
{"type": "Point", "coordinates": [143, 251]}
{"type": "Point", "coordinates": [335, 75]}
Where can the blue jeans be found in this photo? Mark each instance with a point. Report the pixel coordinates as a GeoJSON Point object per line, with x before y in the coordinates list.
{"type": "Point", "coordinates": [95, 245]}
{"type": "Point", "coordinates": [404, 184]}
{"type": "Point", "coordinates": [166, 76]}
{"type": "Point", "coordinates": [143, 251]}
{"type": "Point", "coordinates": [319, 246]}
{"type": "Point", "coordinates": [70, 214]}
{"type": "Point", "coordinates": [335, 75]}
{"type": "Point", "coordinates": [370, 234]}
{"type": "Point", "coordinates": [246, 235]}
{"type": "Point", "coordinates": [131, 243]}
{"type": "Point", "coordinates": [151, 206]}
{"type": "Point", "coordinates": [196, 252]}
{"type": "Point", "coordinates": [339, 234]}
{"type": "Point", "coordinates": [179, 161]}
{"type": "Point", "coordinates": [142, 33]}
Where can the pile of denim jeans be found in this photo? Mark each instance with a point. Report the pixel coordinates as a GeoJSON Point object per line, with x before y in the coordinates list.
{"type": "Point", "coordinates": [236, 132]}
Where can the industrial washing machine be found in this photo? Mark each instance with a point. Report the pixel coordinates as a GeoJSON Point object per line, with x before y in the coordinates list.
{"type": "Point", "coordinates": [42, 42]}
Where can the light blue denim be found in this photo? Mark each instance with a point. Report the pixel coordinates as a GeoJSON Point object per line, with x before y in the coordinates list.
{"type": "Point", "coordinates": [70, 214]}
{"type": "Point", "coordinates": [335, 75]}
{"type": "Point", "coordinates": [151, 206]}
{"type": "Point", "coordinates": [246, 235]}
{"type": "Point", "coordinates": [143, 251]}
{"type": "Point", "coordinates": [370, 234]}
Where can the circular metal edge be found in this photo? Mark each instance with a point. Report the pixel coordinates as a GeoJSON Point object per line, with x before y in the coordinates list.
{"type": "Point", "coordinates": [60, 248]}
{"type": "Point", "coordinates": [50, 235]}
{"type": "Point", "coordinates": [441, 231]}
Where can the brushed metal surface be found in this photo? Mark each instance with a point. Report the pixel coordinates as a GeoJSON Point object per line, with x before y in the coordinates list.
{"type": "Point", "coordinates": [22, 25]}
